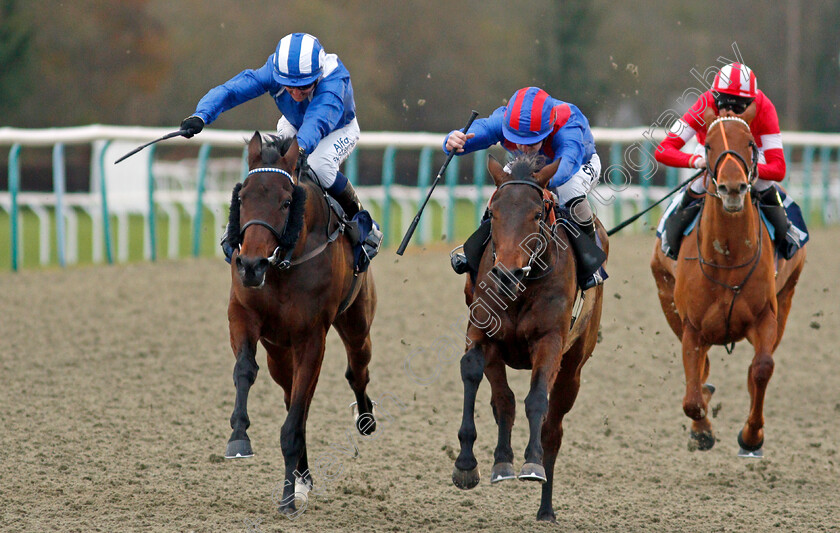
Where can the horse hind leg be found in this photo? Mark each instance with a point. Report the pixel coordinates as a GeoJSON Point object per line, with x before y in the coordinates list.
{"type": "Point", "coordinates": [503, 403]}
{"type": "Point", "coordinates": [697, 392]}
{"type": "Point", "coordinates": [465, 475]}
{"type": "Point", "coordinates": [665, 290]}
{"type": "Point", "coordinates": [353, 327]}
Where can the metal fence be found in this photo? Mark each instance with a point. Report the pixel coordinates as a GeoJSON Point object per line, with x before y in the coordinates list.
{"type": "Point", "coordinates": [191, 191]}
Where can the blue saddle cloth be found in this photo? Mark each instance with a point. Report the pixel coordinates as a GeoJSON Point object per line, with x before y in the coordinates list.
{"type": "Point", "coordinates": [793, 211]}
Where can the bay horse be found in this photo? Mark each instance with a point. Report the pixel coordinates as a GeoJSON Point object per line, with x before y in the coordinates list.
{"type": "Point", "coordinates": [292, 278]}
{"type": "Point", "coordinates": [525, 329]}
{"type": "Point", "coordinates": [724, 286]}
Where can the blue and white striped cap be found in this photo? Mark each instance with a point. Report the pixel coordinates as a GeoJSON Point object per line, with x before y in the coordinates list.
{"type": "Point", "coordinates": [298, 60]}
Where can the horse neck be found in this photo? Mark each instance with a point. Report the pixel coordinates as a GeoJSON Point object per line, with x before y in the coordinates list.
{"type": "Point", "coordinates": [728, 237]}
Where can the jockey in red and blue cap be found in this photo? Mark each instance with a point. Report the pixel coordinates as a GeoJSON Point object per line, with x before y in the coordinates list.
{"type": "Point", "coordinates": [533, 121]}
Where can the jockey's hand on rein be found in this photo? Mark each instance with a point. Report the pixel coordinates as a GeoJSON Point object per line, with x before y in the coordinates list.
{"type": "Point", "coordinates": [191, 125]}
{"type": "Point", "coordinates": [302, 166]}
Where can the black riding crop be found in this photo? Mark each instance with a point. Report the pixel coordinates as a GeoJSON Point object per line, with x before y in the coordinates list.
{"type": "Point", "coordinates": [416, 220]}
{"type": "Point", "coordinates": [637, 215]}
{"type": "Point", "coordinates": [167, 136]}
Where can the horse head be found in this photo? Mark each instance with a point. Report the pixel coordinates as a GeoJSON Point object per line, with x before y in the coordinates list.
{"type": "Point", "coordinates": [732, 158]}
{"type": "Point", "coordinates": [517, 213]}
{"type": "Point", "coordinates": [271, 207]}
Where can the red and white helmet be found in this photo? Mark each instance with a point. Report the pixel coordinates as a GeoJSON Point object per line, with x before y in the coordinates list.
{"type": "Point", "coordinates": [736, 79]}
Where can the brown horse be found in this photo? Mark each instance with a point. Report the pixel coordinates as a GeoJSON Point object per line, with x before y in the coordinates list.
{"type": "Point", "coordinates": [291, 279]}
{"type": "Point", "coordinates": [525, 329]}
{"type": "Point", "coordinates": [724, 286]}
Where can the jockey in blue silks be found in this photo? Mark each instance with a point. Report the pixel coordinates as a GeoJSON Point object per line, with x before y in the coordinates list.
{"type": "Point", "coordinates": [532, 122]}
{"type": "Point", "coordinates": [312, 90]}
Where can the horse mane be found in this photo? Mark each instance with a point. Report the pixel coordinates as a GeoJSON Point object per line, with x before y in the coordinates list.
{"type": "Point", "coordinates": [274, 148]}
{"type": "Point", "coordinates": [295, 221]}
{"type": "Point", "coordinates": [523, 166]}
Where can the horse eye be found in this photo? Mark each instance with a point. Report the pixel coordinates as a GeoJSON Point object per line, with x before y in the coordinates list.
{"type": "Point", "coordinates": [286, 204]}
{"type": "Point", "coordinates": [538, 216]}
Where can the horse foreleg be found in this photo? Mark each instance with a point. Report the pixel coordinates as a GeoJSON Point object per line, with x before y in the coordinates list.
{"type": "Point", "coordinates": [697, 395]}
{"type": "Point", "coordinates": [466, 475]}
{"type": "Point", "coordinates": [563, 396]}
{"type": "Point", "coordinates": [307, 360]}
{"type": "Point", "coordinates": [245, 370]}
{"type": "Point", "coordinates": [763, 337]}
{"type": "Point", "coordinates": [503, 403]}
{"type": "Point", "coordinates": [546, 359]}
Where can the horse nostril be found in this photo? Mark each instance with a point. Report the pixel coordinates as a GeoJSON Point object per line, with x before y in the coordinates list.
{"type": "Point", "coordinates": [238, 261]}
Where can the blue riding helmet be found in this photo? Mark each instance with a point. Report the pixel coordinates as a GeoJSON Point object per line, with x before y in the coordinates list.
{"type": "Point", "coordinates": [529, 116]}
{"type": "Point", "coordinates": [298, 60]}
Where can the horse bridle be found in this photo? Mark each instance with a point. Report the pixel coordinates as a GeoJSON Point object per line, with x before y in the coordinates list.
{"type": "Point", "coordinates": [536, 253]}
{"type": "Point", "coordinates": [751, 170]}
{"type": "Point", "coordinates": [285, 262]}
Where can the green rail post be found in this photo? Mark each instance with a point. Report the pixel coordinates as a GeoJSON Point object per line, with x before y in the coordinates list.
{"type": "Point", "coordinates": [807, 169]}
{"type": "Point", "coordinates": [479, 176]}
{"type": "Point", "coordinates": [788, 151]}
{"type": "Point", "coordinates": [825, 161]}
{"type": "Point", "coordinates": [58, 189]}
{"type": "Point", "coordinates": [351, 168]}
{"type": "Point", "coordinates": [203, 155]}
{"type": "Point", "coordinates": [152, 222]}
{"type": "Point", "coordinates": [14, 186]}
{"type": "Point", "coordinates": [424, 178]}
{"type": "Point", "coordinates": [388, 164]}
{"type": "Point", "coordinates": [451, 181]}
{"type": "Point", "coordinates": [615, 161]}
{"type": "Point", "coordinates": [106, 217]}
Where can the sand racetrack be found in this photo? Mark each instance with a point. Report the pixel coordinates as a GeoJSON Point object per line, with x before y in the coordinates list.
{"type": "Point", "coordinates": [117, 390]}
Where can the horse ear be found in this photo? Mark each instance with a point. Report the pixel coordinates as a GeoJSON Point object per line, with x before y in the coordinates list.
{"type": "Point", "coordinates": [709, 116]}
{"type": "Point", "coordinates": [496, 170]}
{"type": "Point", "coordinates": [546, 173]}
{"type": "Point", "coordinates": [255, 150]}
{"type": "Point", "coordinates": [291, 155]}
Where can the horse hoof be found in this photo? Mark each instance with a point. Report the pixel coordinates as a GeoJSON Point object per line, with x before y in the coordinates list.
{"type": "Point", "coordinates": [703, 441]}
{"type": "Point", "coordinates": [546, 516]}
{"type": "Point", "coordinates": [238, 449]}
{"type": "Point", "coordinates": [532, 472]}
{"type": "Point", "coordinates": [753, 452]}
{"type": "Point", "coordinates": [501, 472]}
{"type": "Point", "coordinates": [466, 479]}
{"type": "Point", "coordinates": [365, 423]}
{"type": "Point", "coordinates": [709, 387]}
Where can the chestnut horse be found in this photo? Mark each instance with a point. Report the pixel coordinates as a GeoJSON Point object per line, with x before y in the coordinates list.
{"type": "Point", "coordinates": [525, 329]}
{"type": "Point", "coordinates": [291, 279]}
{"type": "Point", "coordinates": [724, 286]}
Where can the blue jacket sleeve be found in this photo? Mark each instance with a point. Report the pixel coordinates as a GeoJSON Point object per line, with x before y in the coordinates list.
{"type": "Point", "coordinates": [244, 86]}
{"type": "Point", "coordinates": [488, 131]}
{"type": "Point", "coordinates": [568, 145]}
{"type": "Point", "coordinates": [324, 113]}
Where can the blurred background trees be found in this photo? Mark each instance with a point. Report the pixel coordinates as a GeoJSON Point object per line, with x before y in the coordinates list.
{"type": "Point", "coordinates": [416, 66]}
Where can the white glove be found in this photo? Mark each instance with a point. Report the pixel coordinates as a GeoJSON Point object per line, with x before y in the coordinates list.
{"type": "Point", "coordinates": [698, 161]}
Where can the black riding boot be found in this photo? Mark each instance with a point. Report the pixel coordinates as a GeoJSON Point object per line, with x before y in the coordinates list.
{"type": "Point", "coordinates": [676, 223]}
{"type": "Point", "coordinates": [348, 201]}
{"type": "Point", "coordinates": [587, 254]}
{"type": "Point", "coordinates": [770, 204]}
{"type": "Point", "coordinates": [473, 247]}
